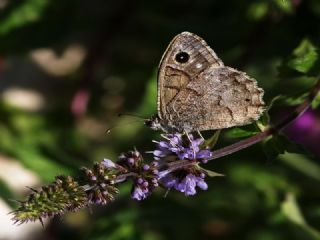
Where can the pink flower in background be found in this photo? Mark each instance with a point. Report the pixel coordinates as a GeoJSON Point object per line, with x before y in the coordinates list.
{"type": "Point", "coordinates": [80, 102]}
{"type": "Point", "coordinates": [306, 131]}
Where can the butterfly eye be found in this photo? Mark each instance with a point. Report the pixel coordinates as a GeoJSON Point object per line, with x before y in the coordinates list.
{"type": "Point", "coordinates": [182, 57]}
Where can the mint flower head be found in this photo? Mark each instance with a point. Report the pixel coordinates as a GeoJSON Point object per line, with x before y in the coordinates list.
{"type": "Point", "coordinates": [189, 148]}
{"type": "Point", "coordinates": [179, 146]}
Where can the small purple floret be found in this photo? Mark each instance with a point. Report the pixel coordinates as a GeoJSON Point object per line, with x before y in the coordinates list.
{"type": "Point", "coordinates": [108, 163]}
{"type": "Point", "coordinates": [130, 161]}
{"type": "Point", "coordinates": [140, 181]}
{"type": "Point", "coordinates": [187, 185]}
{"type": "Point", "coordinates": [202, 184]}
{"type": "Point", "coordinates": [146, 167]}
{"type": "Point", "coordinates": [169, 181]}
{"type": "Point", "coordinates": [145, 184]}
{"type": "Point", "coordinates": [138, 193]}
{"type": "Point", "coordinates": [94, 178]}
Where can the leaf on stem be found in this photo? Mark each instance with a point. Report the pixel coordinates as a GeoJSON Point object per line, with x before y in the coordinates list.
{"type": "Point", "coordinates": [212, 141]}
{"type": "Point", "coordinates": [316, 102]}
{"type": "Point", "coordinates": [211, 173]}
{"type": "Point", "coordinates": [240, 132]}
{"type": "Point", "coordinates": [303, 57]}
{"type": "Point", "coordinates": [291, 210]}
{"type": "Point", "coordinates": [279, 144]}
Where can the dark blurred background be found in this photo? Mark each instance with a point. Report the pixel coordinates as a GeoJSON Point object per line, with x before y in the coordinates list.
{"type": "Point", "coordinates": [68, 68]}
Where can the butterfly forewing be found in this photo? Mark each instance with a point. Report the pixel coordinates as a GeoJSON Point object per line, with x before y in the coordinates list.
{"type": "Point", "coordinates": [174, 76]}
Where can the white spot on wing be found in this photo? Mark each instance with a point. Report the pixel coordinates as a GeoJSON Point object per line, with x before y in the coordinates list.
{"type": "Point", "coordinates": [199, 65]}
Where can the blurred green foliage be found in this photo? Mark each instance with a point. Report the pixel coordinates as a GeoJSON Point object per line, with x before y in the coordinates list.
{"type": "Point", "coordinates": [316, 102]}
{"type": "Point", "coordinates": [25, 13]}
{"type": "Point", "coordinates": [270, 190]}
{"type": "Point", "coordinates": [305, 55]}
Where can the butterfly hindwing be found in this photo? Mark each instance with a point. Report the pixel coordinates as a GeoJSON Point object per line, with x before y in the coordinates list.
{"type": "Point", "coordinates": [229, 98]}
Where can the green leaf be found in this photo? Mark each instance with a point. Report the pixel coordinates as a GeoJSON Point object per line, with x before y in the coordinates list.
{"type": "Point", "coordinates": [257, 10]}
{"type": "Point", "coordinates": [285, 5]}
{"type": "Point", "coordinates": [211, 142]}
{"type": "Point", "coordinates": [240, 133]}
{"type": "Point", "coordinates": [272, 149]}
{"type": "Point", "coordinates": [294, 101]}
{"type": "Point", "coordinates": [292, 211]}
{"type": "Point", "coordinates": [264, 120]}
{"type": "Point", "coordinates": [316, 101]}
{"type": "Point", "coordinates": [304, 57]}
{"type": "Point", "coordinates": [212, 173]}
{"type": "Point", "coordinates": [302, 164]}
{"type": "Point", "coordinates": [298, 91]}
{"type": "Point", "coordinates": [290, 146]}
{"type": "Point", "coordinates": [279, 144]}
{"type": "Point", "coordinates": [29, 11]}
{"type": "Point", "coordinates": [268, 183]}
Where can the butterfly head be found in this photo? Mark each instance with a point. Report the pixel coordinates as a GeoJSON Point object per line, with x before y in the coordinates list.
{"type": "Point", "coordinates": [154, 123]}
{"type": "Point", "coordinates": [157, 123]}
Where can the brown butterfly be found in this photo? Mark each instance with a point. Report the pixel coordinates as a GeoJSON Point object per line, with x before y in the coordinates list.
{"type": "Point", "coordinates": [197, 92]}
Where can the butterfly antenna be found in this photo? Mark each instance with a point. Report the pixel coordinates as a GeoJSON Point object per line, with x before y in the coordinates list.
{"type": "Point", "coordinates": [138, 119]}
{"type": "Point", "coordinates": [167, 192]}
{"type": "Point", "coordinates": [131, 115]}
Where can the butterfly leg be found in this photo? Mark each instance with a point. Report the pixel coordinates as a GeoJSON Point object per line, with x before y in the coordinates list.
{"type": "Point", "coordinates": [187, 135]}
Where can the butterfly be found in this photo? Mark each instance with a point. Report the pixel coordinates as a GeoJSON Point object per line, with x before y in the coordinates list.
{"type": "Point", "coordinates": [197, 92]}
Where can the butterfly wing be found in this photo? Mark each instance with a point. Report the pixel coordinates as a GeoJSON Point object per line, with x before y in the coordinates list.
{"type": "Point", "coordinates": [174, 76]}
{"type": "Point", "coordinates": [200, 93]}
